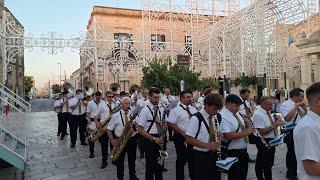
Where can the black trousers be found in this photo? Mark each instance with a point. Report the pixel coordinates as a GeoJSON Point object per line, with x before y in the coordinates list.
{"type": "Point", "coordinates": [131, 150]}
{"type": "Point", "coordinates": [140, 144]}
{"type": "Point", "coordinates": [291, 160]}
{"type": "Point", "coordinates": [91, 147]}
{"type": "Point", "coordinates": [264, 162]}
{"type": "Point", "coordinates": [60, 116]}
{"type": "Point", "coordinates": [238, 170]}
{"type": "Point", "coordinates": [205, 166]}
{"type": "Point", "coordinates": [65, 118]}
{"type": "Point", "coordinates": [184, 155]}
{"type": "Point", "coordinates": [77, 122]}
{"type": "Point", "coordinates": [104, 146]}
{"type": "Point", "coordinates": [153, 169]}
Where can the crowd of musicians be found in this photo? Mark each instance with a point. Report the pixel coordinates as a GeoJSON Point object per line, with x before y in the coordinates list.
{"type": "Point", "coordinates": [203, 131]}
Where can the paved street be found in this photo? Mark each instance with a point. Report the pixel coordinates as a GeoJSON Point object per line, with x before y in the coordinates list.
{"type": "Point", "coordinates": [52, 159]}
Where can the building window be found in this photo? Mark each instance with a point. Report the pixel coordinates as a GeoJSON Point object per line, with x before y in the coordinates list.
{"type": "Point", "coordinates": [158, 42]}
{"type": "Point", "coordinates": [123, 41]}
{"type": "Point", "coordinates": [188, 44]}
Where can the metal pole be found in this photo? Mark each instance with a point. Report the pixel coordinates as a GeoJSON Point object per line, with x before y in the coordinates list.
{"type": "Point", "coordinates": [60, 74]}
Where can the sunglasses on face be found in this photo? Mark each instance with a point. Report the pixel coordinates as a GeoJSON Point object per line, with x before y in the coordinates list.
{"type": "Point", "coordinates": [110, 96]}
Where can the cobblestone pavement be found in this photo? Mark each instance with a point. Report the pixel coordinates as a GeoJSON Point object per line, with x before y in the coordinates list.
{"type": "Point", "coordinates": [52, 159]}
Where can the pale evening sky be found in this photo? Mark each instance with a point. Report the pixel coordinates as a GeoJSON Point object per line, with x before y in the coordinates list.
{"type": "Point", "coordinates": [65, 17]}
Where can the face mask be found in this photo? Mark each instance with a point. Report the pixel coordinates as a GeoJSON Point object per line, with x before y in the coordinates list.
{"type": "Point", "coordinates": [80, 96]}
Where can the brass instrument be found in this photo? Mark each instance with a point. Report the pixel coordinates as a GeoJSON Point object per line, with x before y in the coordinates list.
{"type": "Point", "coordinates": [218, 139]}
{"type": "Point", "coordinates": [99, 132]}
{"type": "Point", "coordinates": [128, 130]}
{"type": "Point", "coordinates": [249, 123]}
{"type": "Point", "coordinates": [162, 130]}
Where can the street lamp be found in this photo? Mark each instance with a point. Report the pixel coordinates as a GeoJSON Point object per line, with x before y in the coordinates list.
{"type": "Point", "coordinates": [60, 74]}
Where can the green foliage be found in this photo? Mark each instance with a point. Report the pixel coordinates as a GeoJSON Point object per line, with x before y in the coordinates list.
{"type": "Point", "coordinates": [28, 84]}
{"type": "Point", "coordinates": [209, 82]}
{"type": "Point", "coordinates": [245, 81]}
{"type": "Point", "coordinates": [55, 89]}
{"type": "Point", "coordinates": [166, 76]}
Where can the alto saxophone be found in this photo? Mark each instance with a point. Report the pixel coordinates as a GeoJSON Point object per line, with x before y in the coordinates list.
{"type": "Point", "coordinates": [99, 132]}
{"type": "Point", "coordinates": [162, 130]}
{"type": "Point", "coordinates": [128, 130]}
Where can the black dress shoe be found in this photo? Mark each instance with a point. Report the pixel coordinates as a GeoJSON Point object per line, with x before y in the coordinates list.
{"type": "Point", "coordinates": [61, 137]}
{"type": "Point", "coordinates": [58, 134]}
{"type": "Point", "coordinates": [103, 165]}
{"type": "Point", "coordinates": [134, 177]}
{"type": "Point", "coordinates": [84, 144]}
{"type": "Point", "coordinates": [73, 145]}
{"type": "Point", "coordinates": [251, 160]}
{"type": "Point", "coordinates": [164, 169]}
{"type": "Point", "coordinates": [141, 156]}
{"type": "Point", "coordinates": [91, 155]}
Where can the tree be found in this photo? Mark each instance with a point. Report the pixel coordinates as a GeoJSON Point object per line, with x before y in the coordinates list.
{"type": "Point", "coordinates": [28, 84]}
{"type": "Point", "coordinates": [204, 82]}
{"type": "Point", "coordinates": [55, 88]}
{"type": "Point", "coordinates": [162, 76]}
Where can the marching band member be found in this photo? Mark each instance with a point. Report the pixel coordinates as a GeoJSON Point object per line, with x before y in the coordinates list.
{"type": "Point", "coordinates": [91, 108]}
{"type": "Point", "coordinates": [234, 132]}
{"type": "Point", "coordinates": [58, 109]}
{"type": "Point", "coordinates": [143, 102]}
{"type": "Point", "coordinates": [246, 108]}
{"type": "Point", "coordinates": [101, 114]}
{"type": "Point", "coordinates": [78, 118]}
{"type": "Point", "coordinates": [178, 120]}
{"type": "Point", "coordinates": [292, 110]}
{"type": "Point", "coordinates": [166, 98]}
{"type": "Point", "coordinates": [65, 113]}
{"type": "Point", "coordinates": [109, 100]}
{"type": "Point", "coordinates": [267, 126]}
{"type": "Point", "coordinates": [117, 124]}
{"type": "Point", "coordinates": [307, 137]}
{"type": "Point", "coordinates": [202, 134]}
{"type": "Point", "coordinates": [148, 127]}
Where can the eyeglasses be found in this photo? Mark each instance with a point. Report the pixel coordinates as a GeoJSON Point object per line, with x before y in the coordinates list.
{"type": "Point", "coordinates": [110, 96]}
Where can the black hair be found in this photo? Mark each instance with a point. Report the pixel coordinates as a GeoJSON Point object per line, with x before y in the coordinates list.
{"type": "Point", "coordinates": [295, 92]}
{"type": "Point", "coordinates": [182, 93]}
{"type": "Point", "coordinates": [232, 98]}
{"type": "Point", "coordinates": [78, 90]}
{"type": "Point", "coordinates": [122, 93]}
{"type": "Point", "coordinates": [313, 91]}
{"type": "Point", "coordinates": [98, 93]}
{"type": "Point", "coordinates": [243, 91]}
{"type": "Point", "coordinates": [154, 90]}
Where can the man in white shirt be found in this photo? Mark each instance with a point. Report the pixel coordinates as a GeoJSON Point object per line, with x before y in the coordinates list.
{"type": "Point", "coordinates": [142, 102]}
{"type": "Point", "coordinates": [78, 118]}
{"type": "Point", "coordinates": [101, 114]}
{"type": "Point", "coordinates": [91, 108]}
{"type": "Point", "coordinates": [65, 113]}
{"type": "Point", "coordinates": [292, 110]}
{"type": "Point", "coordinates": [58, 109]}
{"type": "Point", "coordinates": [202, 133]}
{"type": "Point", "coordinates": [267, 126]}
{"type": "Point", "coordinates": [148, 127]}
{"type": "Point", "coordinates": [246, 108]}
{"type": "Point", "coordinates": [236, 134]}
{"type": "Point", "coordinates": [178, 121]}
{"type": "Point", "coordinates": [307, 137]}
{"type": "Point", "coordinates": [117, 124]}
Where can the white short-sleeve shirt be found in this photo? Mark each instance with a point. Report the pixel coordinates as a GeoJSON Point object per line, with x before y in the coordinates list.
{"type": "Point", "coordinates": [76, 110]}
{"type": "Point", "coordinates": [180, 116]}
{"type": "Point", "coordinates": [146, 116]}
{"type": "Point", "coordinates": [92, 107]}
{"type": "Point", "coordinates": [118, 122]}
{"type": "Point", "coordinates": [57, 103]}
{"type": "Point", "coordinates": [286, 107]}
{"type": "Point", "coordinates": [230, 124]}
{"type": "Point", "coordinates": [306, 137]}
{"type": "Point", "coordinates": [203, 135]}
{"type": "Point", "coordinates": [102, 111]}
{"type": "Point", "coordinates": [261, 120]}
{"type": "Point", "coordinates": [64, 107]}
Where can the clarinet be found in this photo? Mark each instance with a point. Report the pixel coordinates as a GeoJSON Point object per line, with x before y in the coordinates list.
{"type": "Point", "coordinates": [163, 130]}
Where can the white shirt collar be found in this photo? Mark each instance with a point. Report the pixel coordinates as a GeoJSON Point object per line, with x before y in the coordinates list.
{"type": "Point", "coordinates": [313, 115]}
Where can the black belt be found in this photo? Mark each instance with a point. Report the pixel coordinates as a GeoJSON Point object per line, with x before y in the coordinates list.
{"type": "Point", "coordinates": [238, 150]}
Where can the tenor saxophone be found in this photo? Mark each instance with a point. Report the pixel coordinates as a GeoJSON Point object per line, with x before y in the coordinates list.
{"type": "Point", "coordinates": [99, 132]}
{"type": "Point", "coordinates": [128, 130]}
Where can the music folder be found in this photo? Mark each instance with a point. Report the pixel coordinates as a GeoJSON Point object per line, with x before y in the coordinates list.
{"type": "Point", "coordinates": [226, 163]}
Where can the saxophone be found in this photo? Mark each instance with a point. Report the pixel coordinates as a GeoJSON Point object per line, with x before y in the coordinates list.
{"type": "Point", "coordinates": [95, 135]}
{"type": "Point", "coordinates": [162, 130]}
{"type": "Point", "coordinates": [128, 130]}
